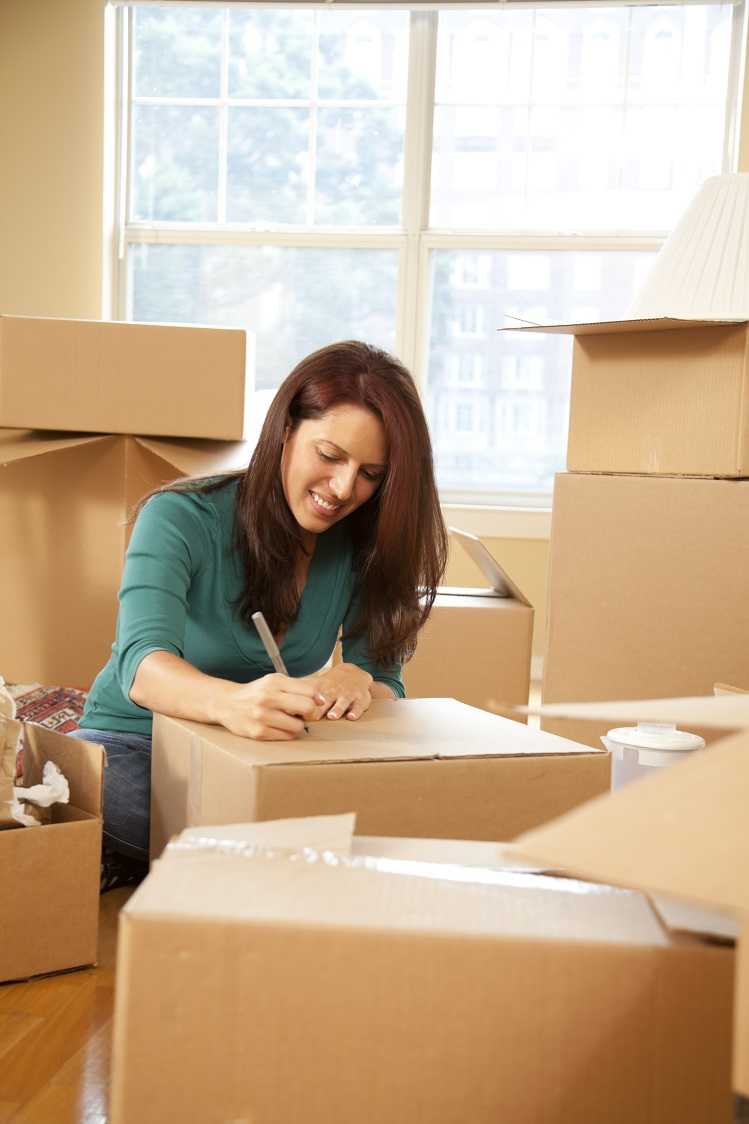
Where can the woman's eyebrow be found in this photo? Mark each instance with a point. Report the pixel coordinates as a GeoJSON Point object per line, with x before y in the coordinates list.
{"type": "Point", "coordinates": [345, 453]}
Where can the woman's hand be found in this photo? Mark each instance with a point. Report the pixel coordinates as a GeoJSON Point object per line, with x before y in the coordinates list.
{"type": "Point", "coordinates": [342, 690]}
{"type": "Point", "coordinates": [270, 709]}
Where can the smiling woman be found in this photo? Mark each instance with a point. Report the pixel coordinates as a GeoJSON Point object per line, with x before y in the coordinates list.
{"type": "Point", "coordinates": [334, 526]}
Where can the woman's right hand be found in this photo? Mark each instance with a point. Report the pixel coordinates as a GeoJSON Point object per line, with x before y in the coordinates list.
{"type": "Point", "coordinates": [273, 708]}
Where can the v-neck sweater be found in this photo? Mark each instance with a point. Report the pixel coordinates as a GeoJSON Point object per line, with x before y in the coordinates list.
{"type": "Point", "coordinates": [180, 586]}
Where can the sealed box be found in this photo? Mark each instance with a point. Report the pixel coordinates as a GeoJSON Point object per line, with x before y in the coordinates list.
{"type": "Point", "coordinates": [476, 644]}
{"type": "Point", "coordinates": [664, 396]}
{"type": "Point", "coordinates": [64, 507]}
{"type": "Point", "coordinates": [426, 767]}
{"type": "Point", "coordinates": [683, 831]}
{"type": "Point", "coordinates": [647, 590]}
{"type": "Point", "coordinates": [49, 874]}
{"type": "Point", "coordinates": [305, 985]}
{"type": "Point", "coordinates": [105, 376]}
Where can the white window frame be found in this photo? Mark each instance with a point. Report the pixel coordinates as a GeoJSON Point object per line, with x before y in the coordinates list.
{"type": "Point", "coordinates": [510, 515]}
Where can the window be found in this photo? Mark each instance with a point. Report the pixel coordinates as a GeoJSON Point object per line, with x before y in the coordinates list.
{"type": "Point", "coordinates": [276, 177]}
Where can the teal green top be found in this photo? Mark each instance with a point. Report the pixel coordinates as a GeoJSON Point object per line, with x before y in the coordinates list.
{"type": "Point", "coordinates": [181, 581]}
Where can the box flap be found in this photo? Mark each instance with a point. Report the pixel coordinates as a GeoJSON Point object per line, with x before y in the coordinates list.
{"type": "Point", "coordinates": [82, 763]}
{"type": "Point", "coordinates": [721, 712]}
{"type": "Point", "coordinates": [499, 580]}
{"type": "Point", "coordinates": [685, 917]}
{"type": "Point", "coordinates": [199, 458]}
{"type": "Point", "coordinates": [19, 444]}
{"type": "Point", "coordinates": [608, 327]}
{"type": "Point", "coordinates": [414, 729]}
{"type": "Point", "coordinates": [681, 832]}
{"type": "Point", "coordinates": [322, 833]}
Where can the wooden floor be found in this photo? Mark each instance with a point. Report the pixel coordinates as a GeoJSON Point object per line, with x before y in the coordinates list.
{"type": "Point", "coordinates": [55, 1037]}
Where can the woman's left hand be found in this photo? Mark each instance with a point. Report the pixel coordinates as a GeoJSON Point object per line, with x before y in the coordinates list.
{"type": "Point", "coordinates": [343, 690]}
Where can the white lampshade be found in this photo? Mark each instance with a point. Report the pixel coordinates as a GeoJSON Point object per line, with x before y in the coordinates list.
{"type": "Point", "coordinates": [702, 270]}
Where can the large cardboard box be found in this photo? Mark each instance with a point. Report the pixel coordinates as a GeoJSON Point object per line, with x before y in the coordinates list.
{"type": "Point", "coordinates": [665, 396]}
{"type": "Point", "coordinates": [476, 644]}
{"type": "Point", "coordinates": [684, 831]}
{"type": "Point", "coordinates": [426, 767]}
{"type": "Point", "coordinates": [110, 377]}
{"type": "Point", "coordinates": [648, 590]}
{"type": "Point", "coordinates": [49, 875]}
{"type": "Point", "coordinates": [64, 506]}
{"type": "Point", "coordinates": [282, 986]}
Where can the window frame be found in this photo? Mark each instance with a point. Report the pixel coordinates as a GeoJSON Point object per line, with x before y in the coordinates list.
{"type": "Point", "coordinates": [506, 514]}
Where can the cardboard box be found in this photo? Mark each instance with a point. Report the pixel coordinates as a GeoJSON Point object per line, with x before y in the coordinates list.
{"type": "Point", "coordinates": [647, 590]}
{"type": "Point", "coordinates": [426, 767]}
{"type": "Point", "coordinates": [662, 396]}
{"type": "Point", "coordinates": [49, 875]}
{"type": "Point", "coordinates": [684, 831]}
{"type": "Point", "coordinates": [309, 988]}
{"type": "Point", "coordinates": [476, 644]}
{"type": "Point", "coordinates": [104, 376]}
{"type": "Point", "coordinates": [64, 504]}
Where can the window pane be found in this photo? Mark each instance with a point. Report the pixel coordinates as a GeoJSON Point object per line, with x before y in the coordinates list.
{"type": "Point", "coordinates": [359, 166]}
{"type": "Point", "coordinates": [578, 119]}
{"type": "Point", "coordinates": [177, 52]}
{"type": "Point", "coordinates": [363, 55]}
{"type": "Point", "coordinates": [291, 301]}
{"type": "Point", "coordinates": [175, 163]}
{"type": "Point", "coordinates": [498, 403]}
{"type": "Point", "coordinates": [271, 54]}
{"type": "Point", "coordinates": [268, 167]}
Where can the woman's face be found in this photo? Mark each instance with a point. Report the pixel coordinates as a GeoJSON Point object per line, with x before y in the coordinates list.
{"type": "Point", "coordinates": [331, 465]}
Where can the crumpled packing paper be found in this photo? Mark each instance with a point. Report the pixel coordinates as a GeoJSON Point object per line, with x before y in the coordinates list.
{"type": "Point", "coordinates": [54, 789]}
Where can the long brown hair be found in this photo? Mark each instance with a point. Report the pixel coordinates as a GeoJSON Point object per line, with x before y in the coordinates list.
{"type": "Point", "coordinates": [399, 537]}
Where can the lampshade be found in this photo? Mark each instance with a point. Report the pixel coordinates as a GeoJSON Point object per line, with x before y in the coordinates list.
{"type": "Point", "coordinates": [702, 270]}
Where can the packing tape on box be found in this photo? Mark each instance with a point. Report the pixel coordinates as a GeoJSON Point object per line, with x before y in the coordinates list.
{"type": "Point", "coordinates": [445, 872]}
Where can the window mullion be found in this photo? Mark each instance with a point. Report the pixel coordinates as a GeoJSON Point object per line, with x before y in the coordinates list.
{"type": "Point", "coordinates": [416, 182]}
{"type": "Point", "coordinates": [223, 123]}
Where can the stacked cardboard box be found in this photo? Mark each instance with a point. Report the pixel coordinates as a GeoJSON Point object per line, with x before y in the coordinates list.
{"type": "Point", "coordinates": [649, 593]}
{"type": "Point", "coordinates": [65, 495]}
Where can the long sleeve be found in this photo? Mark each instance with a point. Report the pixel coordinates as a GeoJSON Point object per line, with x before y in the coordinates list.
{"type": "Point", "coordinates": [168, 546]}
{"type": "Point", "coordinates": [357, 651]}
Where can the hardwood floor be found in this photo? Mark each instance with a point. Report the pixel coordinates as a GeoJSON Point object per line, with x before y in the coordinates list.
{"type": "Point", "coordinates": [55, 1036]}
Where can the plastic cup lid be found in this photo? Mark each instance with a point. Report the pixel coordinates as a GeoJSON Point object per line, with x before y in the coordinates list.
{"type": "Point", "coordinates": [655, 735]}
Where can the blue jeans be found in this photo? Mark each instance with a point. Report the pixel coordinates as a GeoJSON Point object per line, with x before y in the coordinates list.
{"type": "Point", "coordinates": [127, 790]}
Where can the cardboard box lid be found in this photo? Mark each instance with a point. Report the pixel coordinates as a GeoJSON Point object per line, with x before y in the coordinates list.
{"type": "Point", "coordinates": [19, 444]}
{"type": "Point", "coordinates": [413, 729]}
{"type": "Point", "coordinates": [199, 457]}
{"type": "Point", "coordinates": [609, 327]}
{"type": "Point", "coordinates": [500, 583]}
{"type": "Point", "coordinates": [681, 832]}
{"type": "Point", "coordinates": [195, 882]}
{"type": "Point", "coordinates": [721, 712]}
{"type": "Point", "coordinates": [82, 763]}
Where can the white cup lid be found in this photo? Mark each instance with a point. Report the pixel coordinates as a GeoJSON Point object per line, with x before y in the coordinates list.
{"type": "Point", "coordinates": [655, 735]}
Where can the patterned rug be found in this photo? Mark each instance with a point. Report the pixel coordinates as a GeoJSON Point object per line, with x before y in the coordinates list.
{"type": "Point", "coordinates": [57, 708]}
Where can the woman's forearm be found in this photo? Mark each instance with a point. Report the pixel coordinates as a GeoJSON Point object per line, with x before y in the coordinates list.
{"type": "Point", "coordinates": [382, 691]}
{"type": "Point", "coordinates": [170, 685]}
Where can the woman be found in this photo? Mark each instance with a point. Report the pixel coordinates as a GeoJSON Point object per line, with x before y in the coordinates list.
{"type": "Point", "coordinates": [334, 525]}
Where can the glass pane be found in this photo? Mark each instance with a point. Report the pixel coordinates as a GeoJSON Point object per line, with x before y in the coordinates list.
{"type": "Point", "coordinates": [175, 163]}
{"type": "Point", "coordinates": [498, 402]}
{"type": "Point", "coordinates": [363, 55]}
{"type": "Point", "coordinates": [291, 301]}
{"type": "Point", "coordinates": [271, 54]}
{"type": "Point", "coordinates": [359, 166]}
{"type": "Point", "coordinates": [177, 52]}
{"type": "Point", "coordinates": [267, 175]}
{"type": "Point", "coordinates": [577, 119]}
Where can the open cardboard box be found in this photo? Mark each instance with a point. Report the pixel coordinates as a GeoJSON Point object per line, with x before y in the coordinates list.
{"type": "Point", "coordinates": [486, 632]}
{"type": "Point", "coordinates": [647, 591]}
{"type": "Point", "coordinates": [106, 376]}
{"type": "Point", "coordinates": [64, 506]}
{"type": "Point", "coordinates": [425, 767]}
{"type": "Point", "coordinates": [665, 396]}
{"type": "Point", "coordinates": [49, 875]}
{"type": "Point", "coordinates": [267, 972]}
{"type": "Point", "coordinates": [682, 832]}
